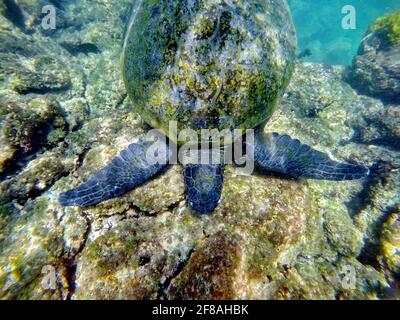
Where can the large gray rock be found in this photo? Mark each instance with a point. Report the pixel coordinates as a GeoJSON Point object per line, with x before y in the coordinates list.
{"type": "Point", "coordinates": [376, 68]}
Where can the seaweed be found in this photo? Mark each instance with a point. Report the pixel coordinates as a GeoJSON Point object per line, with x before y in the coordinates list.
{"type": "Point", "coordinates": [389, 27]}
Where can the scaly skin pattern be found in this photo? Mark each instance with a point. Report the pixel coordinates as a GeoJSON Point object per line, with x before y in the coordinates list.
{"type": "Point", "coordinates": [203, 186]}
{"type": "Point", "coordinates": [215, 64]}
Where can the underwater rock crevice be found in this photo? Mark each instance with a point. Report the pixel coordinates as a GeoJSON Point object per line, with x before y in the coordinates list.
{"type": "Point", "coordinates": [139, 212]}
{"type": "Point", "coordinates": [162, 294]}
{"type": "Point", "coordinates": [70, 261]}
{"type": "Point", "coordinates": [121, 101]}
{"type": "Point", "coordinates": [28, 184]}
{"type": "Point", "coordinates": [79, 158]}
{"type": "Point", "coordinates": [43, 90]}
{"type": "Point", "coordinates": [46, 145]}
{"type": "Point", "coordinates": [363, 199]}
{"type": "Point", "coordinates": [371, 249]}
{"type": "Point", "coordinates": [390, 142]}
{"type": "Point", "coordinates": [80, 48]}
{"type": "Point", "coordinates": [380, 171]}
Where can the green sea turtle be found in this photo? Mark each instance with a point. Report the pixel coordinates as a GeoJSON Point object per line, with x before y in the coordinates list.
{"type": "Point", "coordinates": [208, 64]}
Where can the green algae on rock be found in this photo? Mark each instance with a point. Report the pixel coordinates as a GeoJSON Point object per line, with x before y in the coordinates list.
{"type": "Point", "coordinates": [44, 75]}
{"type": "Point", "coordinates": [27, 124]}
{"type": "Point", "coordinates": [132, 260]}
{"type": "Point", "coordinates": [38, 176]}
{"type": "Point", "coordinates": [22, 261]}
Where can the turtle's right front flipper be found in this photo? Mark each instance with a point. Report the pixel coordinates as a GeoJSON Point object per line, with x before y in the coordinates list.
{"type": "Point", "coordinates": [282, 154]}
{"type": "Point", "coordinates": [134, 166]}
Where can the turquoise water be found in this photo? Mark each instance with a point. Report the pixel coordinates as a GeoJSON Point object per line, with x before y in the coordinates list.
{"type": "Point", "coordinates": [319, 26]}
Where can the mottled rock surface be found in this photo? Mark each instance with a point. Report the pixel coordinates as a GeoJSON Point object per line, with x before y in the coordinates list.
{"type": "Point", "coordinates": [270, 238]}
{"type": "Point", "coordinates": [376, 68]}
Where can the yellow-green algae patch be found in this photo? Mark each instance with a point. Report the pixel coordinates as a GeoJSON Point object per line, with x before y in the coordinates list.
{"type": "Point", "coordinates": [389, 27]}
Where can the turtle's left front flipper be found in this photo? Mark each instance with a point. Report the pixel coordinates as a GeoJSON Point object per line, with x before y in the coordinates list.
{"type": "Point", "coordinates": [134, 166]}
{"type": "Point", "coordinates": [282, 154]}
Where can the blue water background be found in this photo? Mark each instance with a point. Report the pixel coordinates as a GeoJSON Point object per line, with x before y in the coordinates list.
{"type": "Point", "coordinates": [319, 26]}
